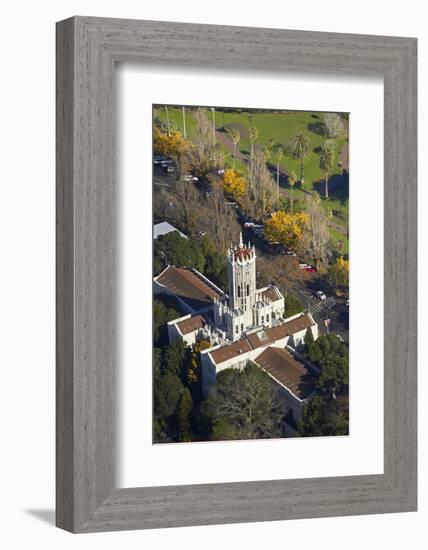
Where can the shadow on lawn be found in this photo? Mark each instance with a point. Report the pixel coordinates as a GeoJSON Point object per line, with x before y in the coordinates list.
{"type": "Point", "coordinates": [338, 187]}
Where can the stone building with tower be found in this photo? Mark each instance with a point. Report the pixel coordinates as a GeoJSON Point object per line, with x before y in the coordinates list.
{"type": "Point", "coordinates": [246, 307]}
{"type": "Point", "coordinates": [247, 324]}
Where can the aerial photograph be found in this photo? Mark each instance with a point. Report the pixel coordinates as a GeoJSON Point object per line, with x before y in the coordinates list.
{"type": "Point", "coordinates": [250, 273]}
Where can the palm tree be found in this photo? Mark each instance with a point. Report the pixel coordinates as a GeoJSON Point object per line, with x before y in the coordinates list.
{"type": "Point", "coordinates": [184, 123]}
{"type": "Point", "coordinates": [167, 120]}
{"type": "Point", "coordinates": [278, 154]}
{"type": "Point", "coordinates": [301, 145]}
{"type": "Point", "coordinates": [253, 134]}
{"type": "Point", "coordinates": [327, 159]}
{"type": "Point", "coordinates": [292, 179]}
{"type": "Point", "coordinates": [235, 136]}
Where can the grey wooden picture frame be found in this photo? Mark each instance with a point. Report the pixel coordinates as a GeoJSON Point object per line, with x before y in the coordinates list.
{"type": "Point", "coordinates": [87, 51]}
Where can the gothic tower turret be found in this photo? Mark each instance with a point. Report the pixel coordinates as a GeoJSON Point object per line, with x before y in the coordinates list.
{"type": "Point", "coordinates": [242, 279]}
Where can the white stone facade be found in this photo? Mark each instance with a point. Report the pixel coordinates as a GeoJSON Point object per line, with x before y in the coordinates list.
{"type": "Point", "coordinates": [246, 307]}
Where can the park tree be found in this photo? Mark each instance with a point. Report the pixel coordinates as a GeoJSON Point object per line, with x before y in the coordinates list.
{"type": "Point", "coordinates": [172, 145]}
{"type": "Point", "coordinates": [215, 266]}
{"type": "Point", "coordinates": [286, 228]}
{"type": "Point", "coordinates": [234, 184]}
{"type": "Point", "coordinates": [331, 355]}
{"type": "Point", "coordinates": [278, 153]}
{"type": "Point", "coordinates": [193, 375]}
{"type": "Point", "coordinates": [328, 412]}
{"type": "Point", "coordinates": [221, 219]}
{"type": "Point", "coordinates": [166, 396]}
{"type": "Point", "coordinates": [300, 148]}
{"type": "Point", "coordinates": [235, 136]}
{"type": "Point", "coordinates": [244, 405]}
{"type": "Point", "coordinates": [327, 160]}
{"type": "Point", "coordinates": [162, 313]}
{"type": "Point", "coordinates": [325, 418]}
{"type": "Point", "coordinates": [262, 195]}
{"type": "Point", "coordinates": [174, 249]}
{"type": "Point", "coordinates": [173, 359]}
{"type": "Point", "coordinates": [339, 272]}
{"type": "Point", "coordinates": [316, 237]}
{"type": "Point", "coordinates": [205, 155]}
{"type": "Point", "coordinates": [184, 411]}
{"type": "Point", "coordinates": [187, 199]}
{"type": "Point", "coordinates": [309, 340]}
{"type": "Point", "coordinates": [253, 134]}
{"type": "Point", "coordinates": [333, 125]}
{"type": "Point", "coordinates": [292, 305]}
{"type": "Point", "coordinates": [292, 180]}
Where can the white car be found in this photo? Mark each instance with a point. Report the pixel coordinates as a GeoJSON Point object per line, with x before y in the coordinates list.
{"type": "Point", "coordinates": [303, 266]}
{"type": "Point", "coordinates": [320, 295]}
{"type": "Point", "coordinates": [189, 177]}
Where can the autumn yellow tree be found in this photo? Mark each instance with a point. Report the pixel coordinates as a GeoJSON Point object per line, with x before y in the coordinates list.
{"type": "Point", "coordinates": [339, 272]}
{"type": "Point", "coordinates": [194, 370]}
{"type": "Point", "coordinates": [172, 145]}
{"type": "Point", "coordinates": [234, 184]}
{"type": "Point", "coordinates": [286, 228]}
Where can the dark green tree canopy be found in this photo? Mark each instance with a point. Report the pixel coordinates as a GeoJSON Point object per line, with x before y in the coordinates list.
{"type": "Point", "coordinates": [244, 404]}
{"type": "Point", "coordinates": [173, 249]}
{"type": "Point", "coordinates": [328, 412]}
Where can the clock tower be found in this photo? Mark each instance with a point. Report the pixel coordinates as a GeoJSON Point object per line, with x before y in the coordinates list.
{"type": "Point", "coordinates": [242, 280]}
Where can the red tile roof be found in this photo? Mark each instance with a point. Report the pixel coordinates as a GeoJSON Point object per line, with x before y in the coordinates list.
{"type": "Point", "coordinates": [263, 337]}
{"type": "Point", "coordinates": [268, 335]}
{"type": "Point", "coordinates": [185, 284]}
{"type": "Point", "coordinates": [242, 254]}
{"type": "Point", "coordinates": [271, 294]}
{"type": "Point", "coordinates": [232, 350]}
{"type": "Point", "coordinates": [289, 371]}
{"type": "Point", "coordinates": [193, 323]}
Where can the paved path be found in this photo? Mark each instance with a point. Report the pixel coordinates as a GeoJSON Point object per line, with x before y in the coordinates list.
{"type": "Point", "coordinates": [224, 139]}
{"type": "Point", "coordinates": [344, 156]}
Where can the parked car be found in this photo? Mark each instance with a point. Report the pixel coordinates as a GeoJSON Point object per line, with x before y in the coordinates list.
{"type": "Point", "coordinates": [347, 302]}
{"type": "Point", "coordinates": [158, 159]}
{"type": "Point", "coordinates": [166, 162]}
{"type": "Point", "coordinates": [310, 269]}
{"type": "Point", "coordinates": [303, 265]}
{"type": "Point", "coordinates": [220, 172]}
{"type": "Point", "coordinates": [189, 177]}
{"type": "Point", "coordinates": [321, 295]}
{"type": "Point", "coordinates": [169, 168]}
{"type": "Point", "coordinates": [247, 225]}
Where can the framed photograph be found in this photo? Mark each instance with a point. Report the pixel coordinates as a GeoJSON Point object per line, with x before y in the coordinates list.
{"type": "Point", "coordinates": [236, 274]}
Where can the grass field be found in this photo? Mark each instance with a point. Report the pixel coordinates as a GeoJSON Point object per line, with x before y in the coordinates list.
{"type": "Point", "coordinates": [278, 128]}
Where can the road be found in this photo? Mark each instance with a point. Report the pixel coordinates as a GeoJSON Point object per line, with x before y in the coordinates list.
{"type": "Point", "coordinates": [328, 309]}
{"type": "Point", "coordinates": [331, 308]}
{"type": "Point", "coordinates": [162, 179]}
{"type": "Point", "coordinates": [336, 311]}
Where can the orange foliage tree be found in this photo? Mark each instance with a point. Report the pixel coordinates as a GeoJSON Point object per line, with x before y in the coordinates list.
{"type": "Point", "coordinates": [339, 272]}
{"type": "Point", "coordinates": [172, 145]}
{"type": "Point", "coordinates": [234, 184]}
{"type": "Point", "coordinates": [286, 228]}
{"type": "Point", "coordinates": [194, 370]}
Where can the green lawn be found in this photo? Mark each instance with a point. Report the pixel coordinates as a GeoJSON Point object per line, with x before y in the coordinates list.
{"type": "Point", "coordinates": [176, 116]}
{"type": "Point", "coordinates": [280, 128]}
{"type": "Point", "coordinates": [338, 236]}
